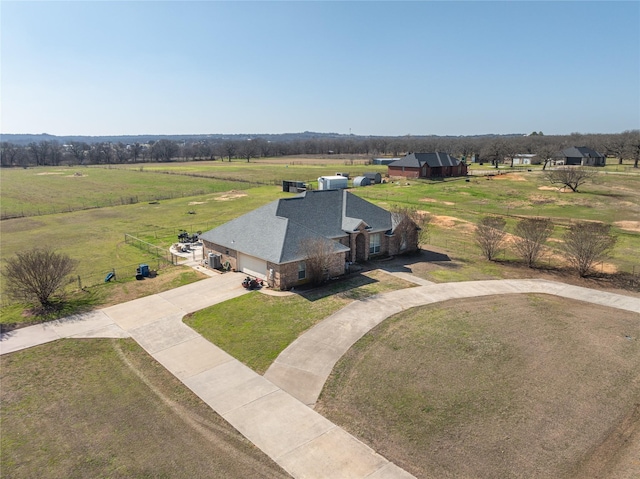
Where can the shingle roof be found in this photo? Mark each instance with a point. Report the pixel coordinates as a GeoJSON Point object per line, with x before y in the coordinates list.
{"type": "Point", "coordinates": [581, 152]}
{"type": "Point", "coordinates": [433, 160]}
{"type": "Point", "coordinates": [275, 231]}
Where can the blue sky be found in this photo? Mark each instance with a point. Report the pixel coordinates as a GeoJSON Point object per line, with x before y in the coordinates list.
{"type": "Point", "coordinates": [370, 68]}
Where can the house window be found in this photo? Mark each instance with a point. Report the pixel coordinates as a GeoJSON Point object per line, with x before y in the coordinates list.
{"type": "Point", "coordinates": [374, 243]}
{"type": "Point", "coordinates": [302, 270]}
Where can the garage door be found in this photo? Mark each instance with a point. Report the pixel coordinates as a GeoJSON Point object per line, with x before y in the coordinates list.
{"type": "Point", "coordinates": [252, 266]}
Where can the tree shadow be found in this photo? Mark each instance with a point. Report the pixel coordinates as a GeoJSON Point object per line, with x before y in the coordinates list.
{"type": "Point", "coordinates": [340, 285]}
{"type": "Point", "coordinates": [403, 263]}
{"type": "Point", "coordinates": [67, 308]}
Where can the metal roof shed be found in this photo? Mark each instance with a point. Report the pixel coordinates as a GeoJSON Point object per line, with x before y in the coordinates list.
{"type": "Point", "coordinates": [361, 181]}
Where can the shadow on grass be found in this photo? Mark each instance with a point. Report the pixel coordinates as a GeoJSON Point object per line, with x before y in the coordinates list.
{"type": "Point", "coordinates": [345, 285]}
{"type": "Point", "coordinates": [403, 263]}
{"type": "Point", "coordinates": [22, 315]}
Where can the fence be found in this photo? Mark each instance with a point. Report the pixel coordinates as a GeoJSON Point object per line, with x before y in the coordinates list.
{"type": "Point", "coordinates": [157, 251]}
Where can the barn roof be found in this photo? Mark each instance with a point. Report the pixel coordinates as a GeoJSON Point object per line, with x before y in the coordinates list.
{"type": "Point", "coordinates": [433, 160]}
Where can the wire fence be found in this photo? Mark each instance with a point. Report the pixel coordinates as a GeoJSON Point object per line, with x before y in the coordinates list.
{"type": "Point", "coordinates": [163, 254]}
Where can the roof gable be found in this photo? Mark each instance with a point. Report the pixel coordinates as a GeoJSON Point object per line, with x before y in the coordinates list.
{"type": "Point", "coordinates": [581, 152]}
{"type": "Point", "coordinates": [275, 231]}
{"type": "Point", "coordinates": [432, 160]}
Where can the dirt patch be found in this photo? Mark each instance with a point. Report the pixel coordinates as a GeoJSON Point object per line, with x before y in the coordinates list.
{"type": "Point", "coordinates": [513, 177]}
{"type": "Point", "coordinates": [540, 199]}
{"type": "Point", "coordinates": [232, 195]}
{"type": "Point", "coordinates": [431, 200]}
{"type": "Point", "coordinates": [553, 188]}
{"type": "Point", "coordinates": [490, 387]}
{"type": "Point", "coordinates": [47, 173]}
{"type": "Point", "coordinates": [191, 203]}
{"type": "Point", "coordinates": [452, 222]}
{"type": "Point", "coordinates": [77, 175]}
{"type": "Point", "coordinates": [628, 225]}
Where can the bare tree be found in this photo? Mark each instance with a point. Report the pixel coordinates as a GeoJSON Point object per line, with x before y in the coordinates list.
{"type": "Point", "coordinates": [121, 152]}
{"type": "Point", "coordinates": [229, 148]}
{"type": "Point", "coordinates": [248, 150]}
{"type": "Point", "coordinates": [616, 145]}
{"type": "Point", "coordinates": [39, 152]}
{"type": "Point", "coordinates": [136, 151]}
{"type": "Point", "coordinates": [490, 235]}
{"type": "Point", "coordinates": [410, 228]}
{"type": "Point", "coordinates": [164, 150]}
{"type": "Point", "coordinates": [36, 275]}
{"type": "Point", "coordinates": [632, 145]}
{"type": "Point", "coordinates": [545, 153]}
{"type": "Point", "coordinates": [570, 176]}
{"type": "Point", "coordinates": [55, 153]}
{"type": "Point", "coordinates": [79, 150]}
{"type": "Point", "coordinates": [10, 154]}
{"type": "Point", "coordinates": [533, 232]}
{"type": "Point", "coordinates": [495, 150]}
{"type": "Point", "coordinates": [586, 243]}
{"type": "Point", "coordinates": [318, 253]}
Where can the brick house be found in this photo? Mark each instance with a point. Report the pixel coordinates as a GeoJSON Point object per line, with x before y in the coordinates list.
{"type": "Point", "coordinates": [266, 242]}
{"type": "Point", "coordinates": [427, 165]}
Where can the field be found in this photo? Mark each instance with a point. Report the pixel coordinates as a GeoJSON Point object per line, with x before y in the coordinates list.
{"type": "Point", "coordinates": [514, 386]}
{"type": "Point", "coordinates": [103, 408]}
{"type": "Point", "coordinates": [202, 195]}
{"type": "Point", "coordinates": [566, 371]}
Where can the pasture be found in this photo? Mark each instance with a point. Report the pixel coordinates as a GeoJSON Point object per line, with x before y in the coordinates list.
{"type": "Point", "coordinates": [511, 386]}
{"type": "Point", "coordinates": [202, 195]}
{"type": "Point", "coordinates": [481, 362]}
{"type": "Point", "coordinates": [104, 408]}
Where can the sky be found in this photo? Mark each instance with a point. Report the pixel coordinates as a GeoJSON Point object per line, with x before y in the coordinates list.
{"type": "Point", "coordinates": [386, 68]}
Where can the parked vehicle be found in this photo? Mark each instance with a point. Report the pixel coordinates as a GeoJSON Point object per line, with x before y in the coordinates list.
{"type": "Point", "coordinates": [252, 283]}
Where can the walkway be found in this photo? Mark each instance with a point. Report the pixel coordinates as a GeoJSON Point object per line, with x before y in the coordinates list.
{"type": "Point", "coordinates": [303, 367]}
{"type": "Point", "coordinates": [301, 441]}
{"type": "Point", "coordinates": [271, 411]}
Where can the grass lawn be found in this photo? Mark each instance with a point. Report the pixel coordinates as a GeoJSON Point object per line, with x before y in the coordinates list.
{"type": "Point", "coordinates": [511, 386]}
{"type": "Point", "coordinates": [50, 190]}
{"type": "Point", "coordinates": [267, 170]}
{"type": "Point", "coordinates": [96, 237]}
{"type": "Point", "coordinates": [103, 295]}
{"type": "Point", "coordinates": [104, 408]}
{"type": "Point", "coordinates": [457, 206]}
{"type": "Point", "coordinates": [256, 328]}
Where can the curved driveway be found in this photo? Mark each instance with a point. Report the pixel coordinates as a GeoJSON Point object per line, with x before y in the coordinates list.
{"type": "Point", "coordinates": [303, 367]}
{"type": "Point", "coordinates": [271, 411]}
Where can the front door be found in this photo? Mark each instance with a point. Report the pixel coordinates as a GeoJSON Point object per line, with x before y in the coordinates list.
{"type": "Point", "coordinates": [361, 251]}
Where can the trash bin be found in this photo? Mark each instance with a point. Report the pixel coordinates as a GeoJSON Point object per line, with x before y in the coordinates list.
{"type": "Point", "coordinates": [144, 270]}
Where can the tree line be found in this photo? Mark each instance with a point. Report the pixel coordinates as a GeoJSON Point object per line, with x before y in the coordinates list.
{"type": "Point", "coordinates": [490, 149]}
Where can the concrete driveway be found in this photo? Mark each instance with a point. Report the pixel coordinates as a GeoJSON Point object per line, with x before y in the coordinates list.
{"type": "Point", "coordinates": [272, 411]}
{"type": "Point", "coordinates": [301, 441]}
{"type": "Point", "coordinates": [303, 367]}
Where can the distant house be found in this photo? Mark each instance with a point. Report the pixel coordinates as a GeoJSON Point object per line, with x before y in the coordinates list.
{"type": "Point", "coordinates": [427, 165]}
{"type": "Point", "coordinates": [524, 159]}
{"type": "Point", "coordinates": [383, 161]}
{"type": "Point", "coordinates": [266, 242]}
{"type": "Point", "coordinates": [583, 156]}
